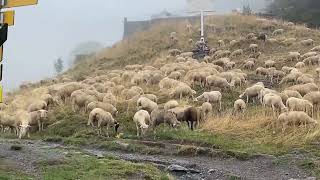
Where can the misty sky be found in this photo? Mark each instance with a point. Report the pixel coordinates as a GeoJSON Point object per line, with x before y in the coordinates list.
{"type": "Point", "coordinates": [53, 28]}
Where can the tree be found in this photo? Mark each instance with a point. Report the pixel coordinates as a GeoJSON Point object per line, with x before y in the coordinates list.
{"type": "Point", "coordinates": [58, 65]}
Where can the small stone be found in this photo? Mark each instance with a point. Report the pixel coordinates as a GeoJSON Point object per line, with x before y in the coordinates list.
{"type": "Point", "coordinates": [211, 171]}
{"type": "Point", "coordinates": [177, 168]}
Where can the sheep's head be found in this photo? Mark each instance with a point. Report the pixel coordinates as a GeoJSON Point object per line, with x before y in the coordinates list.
{"type": "Point", "coordinates": [24, 128]}
{"type": "Point", "coordinates": [43, 114]}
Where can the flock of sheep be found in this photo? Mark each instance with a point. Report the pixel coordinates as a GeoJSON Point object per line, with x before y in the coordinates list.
{"type": "Point", "coordinates": [175, 78]}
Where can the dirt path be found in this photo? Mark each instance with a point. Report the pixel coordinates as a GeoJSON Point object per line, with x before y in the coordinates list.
{"type": "Point", "coordinates": [261, 167]}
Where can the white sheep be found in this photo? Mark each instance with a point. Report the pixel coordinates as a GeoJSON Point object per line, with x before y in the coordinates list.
{"type": "Point", "coordinates": [294, 56]}
{"type": "Point", "coordinates": [292, 93]}
{"type": "Point", "coordinates": [253, 47]}
{"type": "Point", "coordinates": [252, 92]}
{"type": "Point", "coordinates": [171, 104]}
{"type": "Point", "coordinates": [296, 104]}
{"type": "Point", "coordinates": [307, 42]}
{"type": "Point", "coordinates": [142, 119]}
{"type": "Point", "coordinates": [269, 63]}
{"type": "Point", "coordinates": [277, 32]}
{"type": "Point", "coordinates": [304, 89]}
{"type": "Point", "coordinates": [239, 106]}
{"type": "Point", "coordinates": [181, 91]}
{"type": "Point", "coordinates": [211, 97]}
{"type": "Point", "coordinates": [249, 65]}
{"type": "Point", "coordinates": [102, 118]}
{"type": "Point", "coordinates": [295, 118]}
{"type": "Point", "coordinates": [144, 103]}
{"type": "Point", "coordinates": [300, 65]}
{"type": "Point", "coordinates": [37, 105]}
{"type": "Point", "coordinates": [317, 49]}
{"type": "Point", "coordinates": [275, 102]}
{"type": "Point", "coordinates": [236, 53]}
{"type": "Point", "coordinates": [206, 110]}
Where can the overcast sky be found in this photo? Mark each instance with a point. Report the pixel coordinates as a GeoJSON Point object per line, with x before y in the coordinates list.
{"type": "Point", "coordinates": [51, 29]}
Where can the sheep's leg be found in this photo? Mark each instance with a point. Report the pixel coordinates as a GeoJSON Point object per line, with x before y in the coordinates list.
{"type": "Point", "coordinates": [220, 106]}
{"type": "Point", "coordinates": [39, 125]}
{"type": "Point", "coordinates": [107, 131]}
{"type": "Point", "coordinates": [137, 129]}
{"type": "Point", "coordinates": [247, 99]}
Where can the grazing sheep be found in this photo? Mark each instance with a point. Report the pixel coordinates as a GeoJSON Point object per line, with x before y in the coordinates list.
{"type": "Point", "coordinates": [307, 42]}
{"type": "Point", "coordinates": [292, 93]}
{"type": "Point", "coordinates": [262, 37]}
{"type": "Point", "coordinates": [104, 106]}
{"type": "Point", "coordinates": [191, 116]}
{"type": "Point", "coordinates": [217, 81]}
{"type": "Point", "coordinates": [252, 92]}
{"type": "Point", "coordinates": [253, 47]}
{"type": "Point", "coordinates": [171, 104]}
{"type": "Point", "coordinates": [167, 83]}
{"type": "Point", "coordinates": [37, 105]}
{"type": "Point", "coordinates": [317, 49]}
{"type": "Point", "coordinates": [152, 97]}
{"type": "Point", "coordinates": [211, 97]}
{"type": "Point", "coordinates": [295, 118]}
{"type": "Point", "coordinates": [289, 41]}
{"type": "Point", "coordinates": [175, 75]}
{"type": "Point", "coordinates": [314, 98]}
{"type": "Point", "coordinates": [294, 56]}
{"type": "Point", "coordinates": [144, 103]}
{"type": "Point", "coordinates": [269, 63]}
{"type": "Point", "coordinates": [182, 91]}
{"type": "Point", "coordinates": [102, 118]}
{"type": "Point", "coordinates": [110, 98]}
{"type": "Point", "coordinates": [48, 99]}
{"type": "Point", "coordinates": [8, 121]}
{"type": "Point", "coordinates": [38, 118]}
{"type": "Point", "coordinates": [278, 32]}
{"type": "Point", "coordinates": [249, 65]}
{"type": "Point", "coordinates": [234, 43]}
{"type": "Point", "coordinates": [300, 65]}
{"type": "Point", "coordinates": [236, 53]}
{"type": "Point", "coordinates": [313, 60]}
{"type": "Point", "coordinates": [304, 89]}
{"type": "Point", "coordinates": [22, 118]}
{"type": "Point", "coordinates": [81, 101]}
{"type": "Point", "coordinates": [261, 71]}
{"type": "Point", "coordinates": [296, 104]}
{"type": "Point", "coordinates": [304, 79]}
{"type": "Point", "coordinates": [291, 78]}
{"type": "Point", "coordinates": [275, 102]}
{"type": "Point", "coordinates": [239, 106]}
{"type": "Point", "coordinates": [65, 91]}
{"type": "Point", "coordinates": [309, 54]}
{"type": "Point", "coordinates": [159, 116]}
{"type": "Point", "coordinates": [142, 119]}
{"type": "Point", "coordinates": [206, 110]}
{"type": "Point", "coordinates": [221, 43]}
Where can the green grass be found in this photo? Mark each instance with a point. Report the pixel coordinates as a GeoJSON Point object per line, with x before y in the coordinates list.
{"type": "Point", "coordinates": [86, 167]}
{"type": "Point", "coordinates": [12, 175]}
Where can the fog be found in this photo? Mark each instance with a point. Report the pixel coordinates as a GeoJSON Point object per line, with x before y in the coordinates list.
{"type": "Point", "coordinates": [53, 28]}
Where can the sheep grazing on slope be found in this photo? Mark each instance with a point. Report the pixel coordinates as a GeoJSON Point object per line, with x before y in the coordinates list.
{"type": "Point", "coordinates": [182, 91]}
{"type": "Point", "coordinates": [142, 119]}
{"type": "Point", "coordinates": [159, 116]}
{"type": "Point", "coordinates": [304, 89]}
{"type": "Point", "coordinates": [307, 42]}
{"type": "Point", "coordinates": [294, 56]}
{"type": "Point", "coordinates": [144, 103]}
{"type": "Point", "coordinates": [252, 92]}
{"type": "Point", "coordinates": [216, 81]}
{"type": "Point", "coordinates": [38, 118]}
{"type": "Point", "coordinates": [253, 47]}
{"type": "Point", "coordinates": [239, 106]}
{"type": "Point", "coordinates": [236, 53]}
{"type": "Point", "coordinates": [192, 116]}
{"type": "Point", "coordinates": [278, 32]}
{"type": "Point", "coordinates": [275, 102]}
{"type": "Point", "coordinates": [211, 97]}
{"type": "Point", "coordinates": [102, 118]}
{"type": "Point", "coordinates": [105, 106]}
{"type": "Point", "coordinates": [292, 93]}
{"type": "Point", "coordinates": [295, 118]}
{"type": "Point", "coordinates": [206, 111]}
{"type": "Point", "coordinates": [171, 104]}
{"type": "Point", "coordinates": [249, 65]}
{"type": "Point", "coordinates": [37, 105]}
{"type": "Point", "coordinates": [296, 104]}
{"type": "Point", "coordinates": [317, 48]}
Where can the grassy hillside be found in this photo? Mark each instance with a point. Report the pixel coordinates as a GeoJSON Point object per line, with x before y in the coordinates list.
{"type": "Point", "coordinates": [250, 133]}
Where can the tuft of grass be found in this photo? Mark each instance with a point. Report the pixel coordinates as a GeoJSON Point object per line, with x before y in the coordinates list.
{"type": "Point", "coordinates": [86, 167]}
